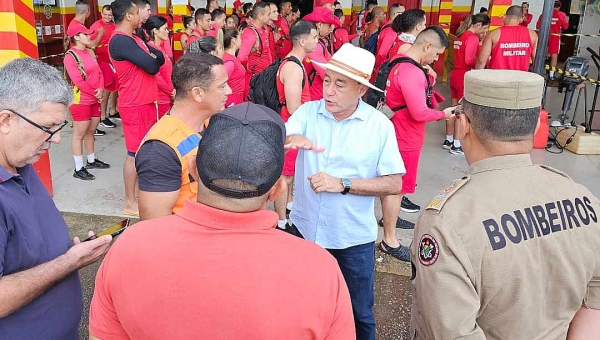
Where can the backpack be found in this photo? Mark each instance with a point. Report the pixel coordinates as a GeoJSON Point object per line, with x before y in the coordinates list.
{"type": "Point", "coordinates": [377, 99]}
{"type": "Point", "coordinates": [371, 43]}
{"type": "Point", "coordinates": [263, 86]}
{"type": "Point", "coordinates": [258, 47]}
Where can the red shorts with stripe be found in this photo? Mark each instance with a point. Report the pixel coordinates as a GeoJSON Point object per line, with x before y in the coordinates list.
{"type": "Point", "coordinates": [554, 44]}
{"type": "Point", "coordinates": [137, 121]}
{"type": "Point", "coordinates": [411, 163]}
{"type": "Point", "coordinates": [457, 84]}
{"type": "Point", "coordinates": [83, 112]}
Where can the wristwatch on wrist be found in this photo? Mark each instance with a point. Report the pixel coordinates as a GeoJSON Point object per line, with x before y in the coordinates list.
{"type": "Point", "coordinates": [347, 183]}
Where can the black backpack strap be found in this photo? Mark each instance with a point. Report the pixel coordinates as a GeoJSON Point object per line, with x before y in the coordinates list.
{"type": "Point", "coordinates": [297, 62]}
{"type": "Point", "coordinates": [429, 90]}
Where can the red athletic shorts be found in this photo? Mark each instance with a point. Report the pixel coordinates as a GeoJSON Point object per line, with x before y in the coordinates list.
{"type": "Point", "coordinates": [289, 163]}
{"type": "Point", "coordinates": [457, 84]}
{"type": "Point", "coordinates": [82, 112]}
{"type": "Point", "coordinates": [111, 81]}
{"type": "Point", "coordinates": [163, 109]}
{"type": "Point", "coordinates": [411, 163]}
{"type": "Point", "coordinates": [554, 44]}
{"type": "Point", "coordinates": [136, 121]}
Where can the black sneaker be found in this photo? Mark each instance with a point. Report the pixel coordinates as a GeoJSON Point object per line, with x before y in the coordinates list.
{"type": "Point", "coordinates": [116, 116]}
{"type": "Point", "coordinates": [408, 206]}
{"type": "Point", "coordinates": [83, 174]}
{"type": "Point", "coordinates": [99, 133]}
{"type": "Point", "coordinates": [107, 123]}
{"type": "Point", "coordinates": [456, 150]}
{"type": "Point", "coordinates": [400, 224]}
{"type": "Point", "coordinates": [447, 144]}
{"type": "Point", "coordinates": [97, 164]}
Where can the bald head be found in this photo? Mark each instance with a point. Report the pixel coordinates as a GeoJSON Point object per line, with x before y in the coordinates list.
{"type": "Point", "coordinates": [377, 11]}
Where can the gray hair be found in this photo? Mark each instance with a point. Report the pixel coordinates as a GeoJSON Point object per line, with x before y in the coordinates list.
{"type": "Point", "coordinates": [81, 6]}
{"type": "Point", "coordinates": [27, 83]}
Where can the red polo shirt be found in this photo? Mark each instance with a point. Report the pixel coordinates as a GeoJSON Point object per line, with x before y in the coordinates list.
{"type": "Point", "coordinates": [214, 274]}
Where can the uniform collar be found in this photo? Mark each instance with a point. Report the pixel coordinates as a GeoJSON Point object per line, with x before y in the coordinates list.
{"type": "Point", "coordinates": [500, 162]}
{"type": "Point", "coordinates": [360, 112]}
{"type": "Point", "coordinates": [213, 218]}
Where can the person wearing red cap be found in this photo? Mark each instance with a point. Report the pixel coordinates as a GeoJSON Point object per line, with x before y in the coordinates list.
{"type": "Point", "coordinates": [136, 64]}
{"type": "Point", "coordinates": [88, 83]}
{"type": "Point", "coordinates": [284, 44]}
{"type": "Point", "coordinates": [387, 35]}
{"type": "Point", "coordinates": [255, 53]}
{"type": "Point", "coordinates": [326, 4]}
{"type": "Point", "coordinates": [324, 19]}
{"type": "Point", "coordinates": [511, 47]}
{"type": "Point", "coordinates": [560, 22]}
{"type": "Point", "coordinates": [410, 94]}
{"type": "Point", "coordinates": [110, 78]}
{"type": "Point", "coordinates": [340, 36]}
{"type": "Point", "coordinates": [237, 8]}
{"type": "Point", "coordinates": [294, 90]}
{"type": "Point", "coordinates": [203, 25]}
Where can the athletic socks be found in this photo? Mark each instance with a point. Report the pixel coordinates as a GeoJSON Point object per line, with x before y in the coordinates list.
{"type": "Point", "coordinates": [78, 162]}
{"type": "Point", "coordinates": [281, 224]}
{"type": "Point", "coordinates": [290, 205]}
{"type": "Point", "coordinates": [456, 143]}
{"type": "Point", "coordinates": [551, 74]}
{"type": "Point", "coordinates": [91, 158]}
{"type": "Point", "coordinates": [449, 138]}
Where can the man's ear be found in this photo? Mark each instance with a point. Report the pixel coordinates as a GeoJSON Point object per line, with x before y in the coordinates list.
{"type": "Point", "coordinates": [464, 128]}
{"type": "Point", "coordinates": [278, 189]}
{"type": "Point", "coordinates": [198, 94]}
{"type": "Point", "coordinates": [5, 121]}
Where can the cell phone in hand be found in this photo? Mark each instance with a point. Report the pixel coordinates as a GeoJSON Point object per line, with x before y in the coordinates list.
{"type": "Point", "coordinates": [114, 230]}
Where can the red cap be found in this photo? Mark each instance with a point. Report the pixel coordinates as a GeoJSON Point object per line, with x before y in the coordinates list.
{"type": "Point", "coordinates": [321, 3]}
{"type": "Point", "coordinates": [237, 3]}
{"type": "Point", "coordinates": [76, 28]}
{"type": "Point", "coordinates": [322, 14]}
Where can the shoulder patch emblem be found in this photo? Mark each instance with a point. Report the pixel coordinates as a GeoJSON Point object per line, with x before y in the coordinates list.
{"type": "Point", "coordinates": [428, 250]}
{"type": "Point", "coordinates": [438, 201]}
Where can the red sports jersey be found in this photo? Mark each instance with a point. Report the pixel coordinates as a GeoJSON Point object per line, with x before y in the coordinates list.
{"type": "Point", "coordinates": [102, 48]}
{"type": "Point", "coordinates": [254, 54]}
{"type": "Point", "coordinates": [196, 35]}
{"type": "Point", "coordinates": [386, 39]}
{"type": "Point", "coordinates": [465, 51]}
{"type": "Point", "coordinates": [284, 45]}
{"type": "Point", "coordinates": [237, 79]}
{"type": "Point", "coordinates": [513, 49]}
{"type": "Point", "coordinates": [136, 87]}
{"type": "Point", "coordinates": [304, 97]}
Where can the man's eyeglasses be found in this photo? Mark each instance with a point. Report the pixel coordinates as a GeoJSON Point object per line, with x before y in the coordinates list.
{"type": "Point", "coordinates": [459, 111]}
{"type": "Point", "coordinates": [45, 129]}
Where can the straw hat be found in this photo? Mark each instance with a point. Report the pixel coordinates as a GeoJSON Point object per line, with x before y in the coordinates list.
{"type": "Point", "coordinates": [353, 62]}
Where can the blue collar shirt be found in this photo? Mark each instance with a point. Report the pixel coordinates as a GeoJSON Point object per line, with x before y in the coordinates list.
{"type": "Point", "coordinates": [361, 146]}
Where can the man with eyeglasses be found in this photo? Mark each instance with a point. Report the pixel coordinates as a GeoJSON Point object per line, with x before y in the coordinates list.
{"type": "Point", "coordinates": [510, 251]}
{"type": "Point", "coordinates": [40, 291]}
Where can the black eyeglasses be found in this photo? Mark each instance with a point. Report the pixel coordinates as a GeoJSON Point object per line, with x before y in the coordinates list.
{"type": "Point", "coordinates": [45, 129]}
{"type": "Point", "coordinates": [459, 110]}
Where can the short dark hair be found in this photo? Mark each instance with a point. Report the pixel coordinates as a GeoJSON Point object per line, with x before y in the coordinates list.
{"type": "Point", "coordinates": [200, 13]}
{"type": "Point", "coordinates": [106, 8]}
{"type": "Point", "coordinates": [141, 3]}
{"type": "Point", "coordinates": [228, 35]}
{"type": "Point", "coordinates": [187, 20]}
{"type": "Point", "coordinates": [435, 33]}
{"type": "Point", "coordinates": [502, 125]}
{"type": "Point", "coordinates": [259, 8]}
{"type": "Point", "coordinates": [283, 2]}
{"type": "Point", "coordinates": [301, 28]}
{"type": "Point", "coordinates": [408, 20]}
{"type": "Point", "coordinates": [394, 6]}
{"type": "Point", "coordinates": [154, 21]}
{"type": "Point", "coordinates": [191, 70]}
{"type": "Point", "coordinates": [203, 45]}
{"type": "Point", "coordinates": [246, 7]}
{"type": "Point", "coordinates": [515, 11]}
{"type": "Point", "coordinates": [338, 13]}
{"type": "Point", "coordinates": [483, 10]}
{"type": "Point", "coordinates": [120, 8]}
{"type": "Point", "coordinates": [295, 8]}
{"type": "Point", "coordinates": [216, 13]}
{"type": "Point", "coordinates": [371, 3]}
{"type": "Point", "coordinates": [336, 3]}
{"type": "Point", "coordinates": [557, 4]}
{"type": "Point", "coordinates": [208, 2]}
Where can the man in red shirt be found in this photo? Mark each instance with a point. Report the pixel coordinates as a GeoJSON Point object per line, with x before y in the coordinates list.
{"type": "Point", "coordinates": [387, 36]}
{"type": "Point", "coordinates": [274, 34]}
{"type": "Point", "coordinates": [135, 63]}
{"type": "Point", "coordinates": [511, 47]}
{"type": "Point", "coordinates": [82, 12]}
{"type": "Point", "coordinates": [217, 18]}
{"type": "Point", "coordinates": [284, 44]}
{"type": "Point", "coordinates": [377, 20]}
{"type": "Point", "coordinates": [255, 52]}
{"type": "Point", "coordinates": [560, 22]}
{"type": "Point", "coordinates": [110, 78]}
{"type": "Point", "coordinates": [294, 90]}
{"type": "Point", "coordinates": [324, 19]}
{"type": "Point", "coordinates": [409, 92]}
{"type": "Point", "coordinates": [246, 280]}
{"type": "Point", "coordinates": [203, 25]}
